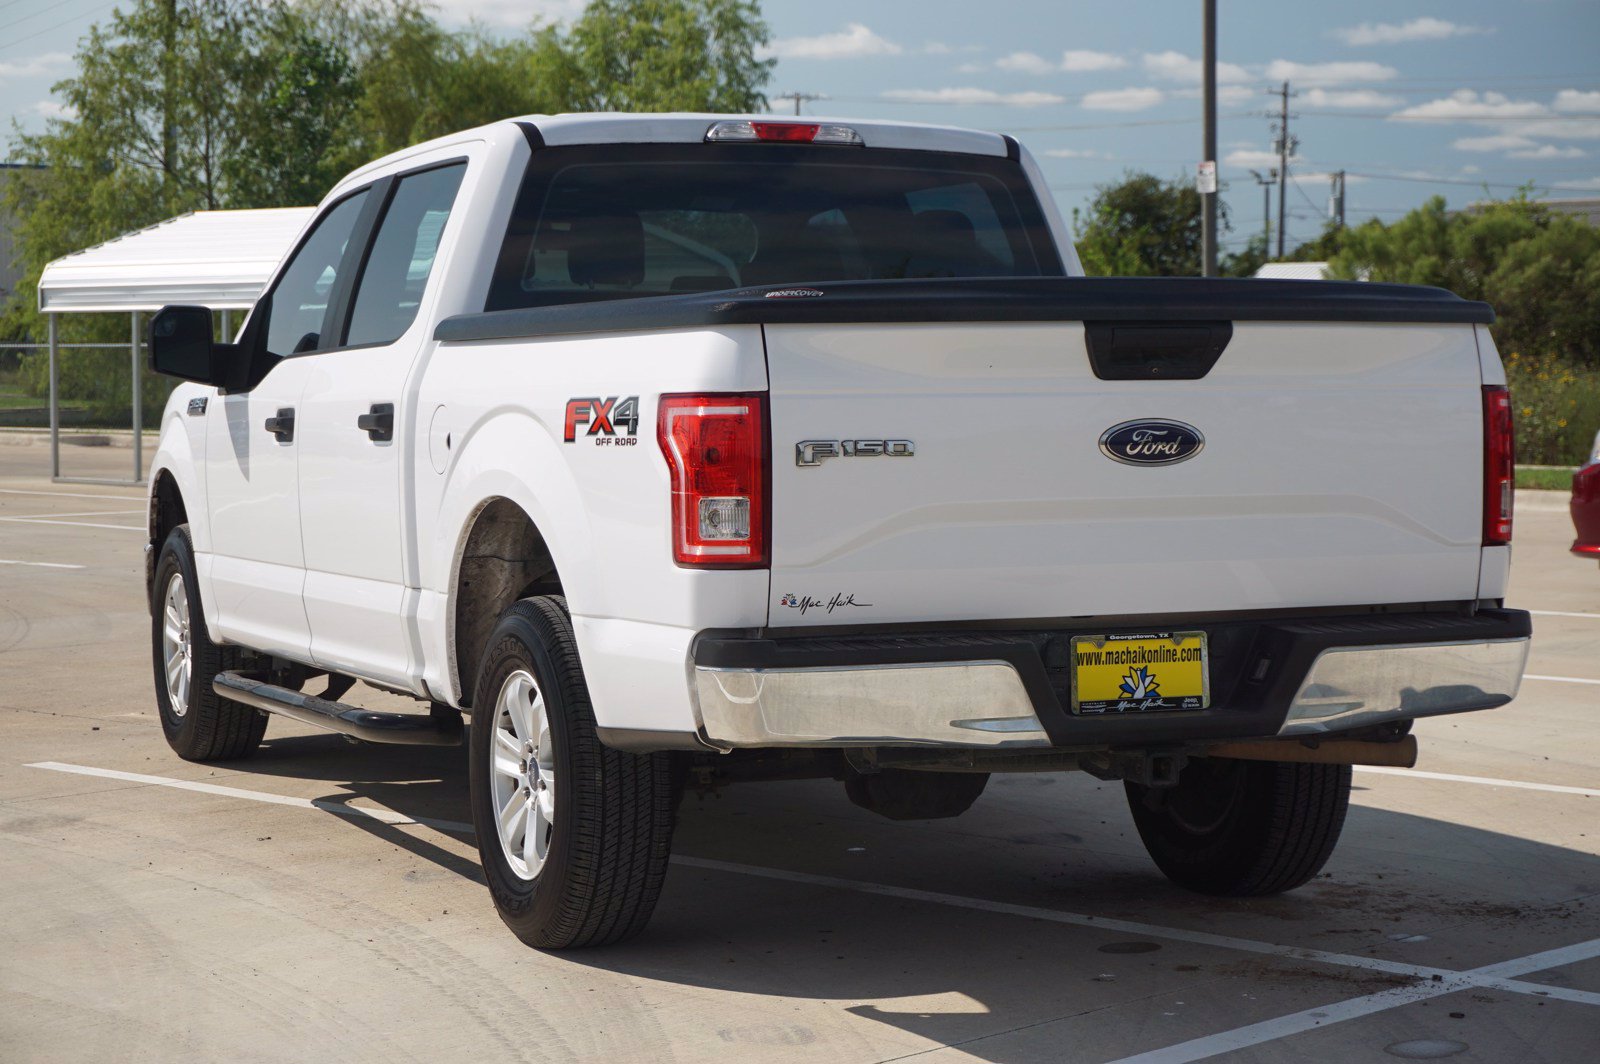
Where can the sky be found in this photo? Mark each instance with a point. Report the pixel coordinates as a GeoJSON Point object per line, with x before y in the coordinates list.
{"type": "Point", "coordinates": [1461, 98]}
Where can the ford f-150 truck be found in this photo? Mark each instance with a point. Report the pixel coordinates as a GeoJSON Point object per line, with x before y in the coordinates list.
{"type": "Point", "coordinates": [678, 450]}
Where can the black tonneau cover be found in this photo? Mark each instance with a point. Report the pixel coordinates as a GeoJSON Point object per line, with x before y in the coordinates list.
{"type": "Point", "coordinates": [987, 299]}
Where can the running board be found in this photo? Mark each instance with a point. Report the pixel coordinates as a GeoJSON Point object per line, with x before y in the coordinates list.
{"type": "Point", "coordinates": [407, 729]}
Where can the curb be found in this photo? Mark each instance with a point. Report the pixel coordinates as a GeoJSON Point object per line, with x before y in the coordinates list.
{"type": "Point", "coordinates": [121, 438]}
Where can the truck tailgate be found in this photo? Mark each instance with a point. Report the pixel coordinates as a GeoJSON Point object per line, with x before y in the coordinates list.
{"type": "Point", "coordinates": [1342, 465]}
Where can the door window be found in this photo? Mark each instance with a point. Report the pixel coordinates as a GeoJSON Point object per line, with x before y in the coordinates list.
{"type": "Point", "coordinates": [299, 302]}
{"type": "Point", "coordinates": [391, 285]}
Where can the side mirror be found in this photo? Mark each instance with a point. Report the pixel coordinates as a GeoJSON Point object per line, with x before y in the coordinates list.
{"type": "Point", "coordinates": [181, 346]}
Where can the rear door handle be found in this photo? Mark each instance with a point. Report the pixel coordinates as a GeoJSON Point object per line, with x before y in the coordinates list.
{"type": "Point", "coordinates": [282, 426]}
{"type": "Point", "coordinates": [379, 423]}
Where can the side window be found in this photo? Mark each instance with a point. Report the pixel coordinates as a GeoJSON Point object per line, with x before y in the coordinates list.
{"type": "Point", "coordinates": [402, 256]}
{"type": "Point", "coordinates": [300, 300]}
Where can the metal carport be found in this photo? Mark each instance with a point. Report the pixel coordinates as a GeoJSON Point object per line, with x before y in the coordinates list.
{"type": "Point", "coordinates": [216, 259]}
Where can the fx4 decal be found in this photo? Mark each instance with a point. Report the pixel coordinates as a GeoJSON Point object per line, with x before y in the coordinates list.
{"type": "Point", "coordinates": [603, 416]}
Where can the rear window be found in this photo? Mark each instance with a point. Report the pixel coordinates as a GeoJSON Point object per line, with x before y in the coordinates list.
{"type": "Point", "coordinates": [641, 220]}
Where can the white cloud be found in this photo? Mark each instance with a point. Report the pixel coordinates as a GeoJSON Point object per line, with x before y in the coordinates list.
{"type": "Point", "coordinates": [936, 48]}
{"type": "Point", "coordinates": [1350, 98]}
{"type": "Point", "coordinates": [53, 109]}
{"type": "Point", "coordinates": [1574, 100]}
{"type": "Point", "coordinates": [1138, 99]}
{"type": "Point", "coordinates": [1493, 142]}
{"type": "Point", "coordinates": [1547, 151]}
{"type": "Point", "coordinates": [1325, 74]}
{"type": "Point", "coordinates": [970, 68]}
{"type": "Point", "coordinates": [1077, 61]}
{"type": "Point", "coordinates": [1228, 95]}
{"type": "Point", "coordinates": [509, 13]}
{"type": "Point", "coordinates": [1588, 182]}
{"type": "Point", "coordinates": [36, 67]}
{"type": "Point", "coordinates": [855, 41]}
{"type": "Point", "coordinates": [1175, 66]}
{"type": "Point", "coordinates": [974, 96]}
{"type": "Point", "coordinates": [1253, 159]}
{"type": "Point", "coordinates": [1470, 169]}
{"type": "Point", "coordinates": [1026, 63]}
{"type": "Point", "coordinates": [1418, 29]}
{"type": "Point", "coordinates": [1076, 153]}
{"type": "Point", "coordinates": [1467, 104]}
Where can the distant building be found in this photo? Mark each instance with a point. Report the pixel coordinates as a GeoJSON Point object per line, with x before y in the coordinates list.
{"type": "Point", "coordinates": [1587, 210]}
{"type": "Point", "coordinates": [1293, 271]}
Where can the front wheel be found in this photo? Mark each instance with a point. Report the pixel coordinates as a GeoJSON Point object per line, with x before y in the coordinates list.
{"type": "Point", "coordinates": [1242, 828]}
{"type": "Point", "coordinates": [574, 836]}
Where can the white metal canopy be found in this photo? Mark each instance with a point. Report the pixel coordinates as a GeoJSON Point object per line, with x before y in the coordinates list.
{"type": "Point", "coordinates": [217, 259]}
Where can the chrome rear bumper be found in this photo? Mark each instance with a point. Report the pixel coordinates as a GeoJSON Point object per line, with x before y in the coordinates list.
{"type": "Point", "coordinates": [993, 690]}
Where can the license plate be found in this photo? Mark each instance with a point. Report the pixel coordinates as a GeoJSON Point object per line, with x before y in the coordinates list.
{"type": "Point", "coordinates": [1143, 673]}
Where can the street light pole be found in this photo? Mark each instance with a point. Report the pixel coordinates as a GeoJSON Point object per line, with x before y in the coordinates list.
{"type": "Point", "coordinates": [1208, 200]}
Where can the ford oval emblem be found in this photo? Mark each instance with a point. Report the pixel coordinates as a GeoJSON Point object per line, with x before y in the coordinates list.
{"type": "Point", "coordinates": [1151, 442]}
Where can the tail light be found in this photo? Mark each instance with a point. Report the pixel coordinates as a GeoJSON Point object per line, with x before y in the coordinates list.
{"type": "Point", "coordinates": [1499, 465]}
{"type": "Point", "coordinates": [716, 450]}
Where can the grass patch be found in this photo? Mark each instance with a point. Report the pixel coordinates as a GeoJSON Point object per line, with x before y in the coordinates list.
{"type": "Point", "coordinates": [1544, 478]}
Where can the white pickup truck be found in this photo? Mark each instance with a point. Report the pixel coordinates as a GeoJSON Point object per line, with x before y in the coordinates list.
{"type": "Point", "coordinates": [686, 449]}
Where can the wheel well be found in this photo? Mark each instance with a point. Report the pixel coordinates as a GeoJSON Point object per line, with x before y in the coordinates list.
{"type": "Point", "coordinates": [504, 559]}
{"type": "Point", "coordinates": [166, 513]}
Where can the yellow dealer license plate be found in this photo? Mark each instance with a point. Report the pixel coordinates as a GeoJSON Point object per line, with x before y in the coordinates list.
{"type": "Point", "coordinates": [1143, 673]}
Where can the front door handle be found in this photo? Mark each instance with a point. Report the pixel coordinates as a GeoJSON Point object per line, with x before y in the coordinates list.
{"type": "Point", "coordinates": [282, 426]}
{"type": "Point", "coordinates": [379, 423]}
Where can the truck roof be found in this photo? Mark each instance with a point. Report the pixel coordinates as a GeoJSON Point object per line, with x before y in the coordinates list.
{"type": "Point", "coordinates": [690, 128]}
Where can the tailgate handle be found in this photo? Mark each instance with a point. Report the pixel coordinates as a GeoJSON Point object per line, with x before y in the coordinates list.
{"type": "Point", "coordinates": [1155, 351]}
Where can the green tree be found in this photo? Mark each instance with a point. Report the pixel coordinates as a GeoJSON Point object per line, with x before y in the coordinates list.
{"type": "Point", "coordinates": [1143, 226]}
{"type": "Point", "coordinates": [1540, 270]}
{"type": "Point", "coordinates": [668, 55]}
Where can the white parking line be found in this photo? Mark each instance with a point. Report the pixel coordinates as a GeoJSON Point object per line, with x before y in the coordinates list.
{"type": "Point", "coordinates": [386, 816]}
{"type": "Point", "coordinates": [1322, 1015]}
{"type": "Point", "coordinates": [1553, 788]}
{"type": "Point", "coordinates": [71, 524]}
{"type": "Point", "coordinates": [1563, 613]}
{"type": "Point", "coordinates": [73, 495]}
{"type": "Point", "coordinates": [42, 565]}
{"type": "Point", "coordinates": [86, 513]}
{"type": "Point", "coordinates": [1437, 980]}
{"type": "Point", "coordinates": [1558, 679]}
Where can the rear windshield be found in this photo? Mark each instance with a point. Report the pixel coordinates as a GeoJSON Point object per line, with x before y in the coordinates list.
{"type": "Point", "coordinates": [641, 220]}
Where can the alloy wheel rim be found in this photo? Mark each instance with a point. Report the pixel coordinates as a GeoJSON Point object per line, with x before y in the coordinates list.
{"type": "Point", "coordinates": [177, 645]}
{"type": "Point", "coordinates": [522, 771]}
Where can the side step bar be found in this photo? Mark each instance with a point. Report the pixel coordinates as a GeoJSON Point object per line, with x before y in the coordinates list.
{"type": "Point", "coordinates": [408, 729]}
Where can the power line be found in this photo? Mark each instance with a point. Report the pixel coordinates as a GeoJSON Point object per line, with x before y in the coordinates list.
{"type": "Point", "coordinates": [51, 29]}
{"type": "Point", "coordinates": [1422, 180]}
{"type": "Point", "coordinates": [800, 98]}
{"type": "Point", "coordinates": [1286, 145]}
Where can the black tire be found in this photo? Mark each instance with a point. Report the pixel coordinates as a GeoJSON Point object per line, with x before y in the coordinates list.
{"type": "Point", "coordinates": [203, 726]}
{"type": "Point", "coordinates": [611, 831]}
{"type": "Point", "coordinates": [1243, 828]}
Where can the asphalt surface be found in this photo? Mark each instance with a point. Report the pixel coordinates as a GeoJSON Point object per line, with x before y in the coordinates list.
{"type": "Point", "coordinates": [322, 901]}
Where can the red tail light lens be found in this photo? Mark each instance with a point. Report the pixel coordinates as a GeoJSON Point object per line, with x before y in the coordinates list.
{"type": "Point", "coordinates": [1499, 465]}
{"type": "Point", "coordinates": [716, 450]}
{"type": "Point", "coordinates": [785, 131]}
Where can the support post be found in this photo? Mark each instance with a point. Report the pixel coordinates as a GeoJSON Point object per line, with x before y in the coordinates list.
{"type": "Point", "coordinates": [138, 402]}
{"type": "Point", "coordinates": [55, 409]}
{"type": "Point", "coordinates": [1208, 200]}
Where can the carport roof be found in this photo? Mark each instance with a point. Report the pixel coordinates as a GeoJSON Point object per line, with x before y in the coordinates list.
{"type": "Point", "coordinates": [217, 259]}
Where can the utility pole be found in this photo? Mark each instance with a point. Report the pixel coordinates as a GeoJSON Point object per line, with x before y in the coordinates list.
{"type": "Point", "coordinates": [1336, 205]}
{"type": "Point", "coordinates": [1208, 199]}
{"type": "Point", "coordinates": [800, 98]}
{"type": "Point", "coordinates": [1266, 184]}
{"type": "Point", "coordinates": [1286, 146]}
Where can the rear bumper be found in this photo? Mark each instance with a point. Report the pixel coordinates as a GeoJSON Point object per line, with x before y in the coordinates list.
{"type": "Point", "coordinates": [1011, 689]}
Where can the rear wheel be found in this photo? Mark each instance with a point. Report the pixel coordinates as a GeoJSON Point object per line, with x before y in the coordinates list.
{"type": "Point", "coordinates": [199, 724]}
{"type": "Point", "coordinates": [1241, 828]}
{"type": "Point", "coordinates": [574, 836]}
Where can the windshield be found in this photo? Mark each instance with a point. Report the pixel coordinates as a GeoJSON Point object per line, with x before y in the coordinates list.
{"type": "Point", "coordinates": [639, 220]}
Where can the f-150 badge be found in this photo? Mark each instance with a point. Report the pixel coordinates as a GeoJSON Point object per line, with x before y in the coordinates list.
{"type": "Point", "coordinates": [1151, 442]}
{"type": "Point", "coordinates": [815, 452]}
{"type": "Point", "coordinates": [603, 416]}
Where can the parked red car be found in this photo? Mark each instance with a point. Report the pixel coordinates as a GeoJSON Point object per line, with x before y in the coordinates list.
{"type": "Point", "coordinates": [1586, 506]}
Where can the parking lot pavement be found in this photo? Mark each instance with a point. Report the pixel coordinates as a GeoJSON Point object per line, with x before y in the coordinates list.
{"type": "Point", "coordinates": [322, 901]}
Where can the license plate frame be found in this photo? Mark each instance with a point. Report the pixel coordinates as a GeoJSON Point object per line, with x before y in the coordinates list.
{"type": "Point", "coordinates": [1146, 651]}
